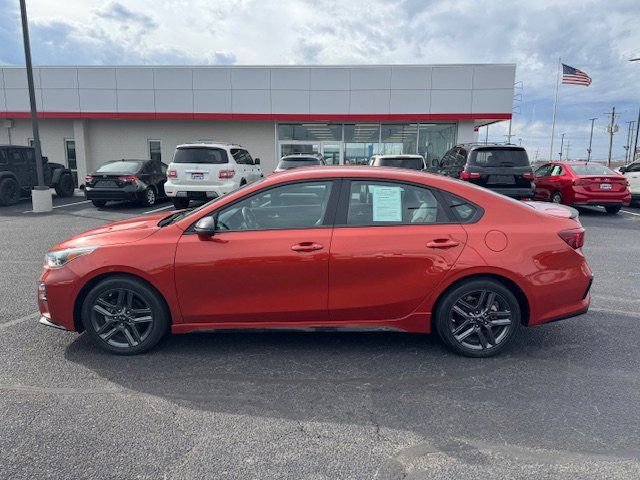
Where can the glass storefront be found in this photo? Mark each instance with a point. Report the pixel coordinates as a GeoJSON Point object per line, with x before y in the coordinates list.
{"type": "Point", "coordinates": [355, 143]}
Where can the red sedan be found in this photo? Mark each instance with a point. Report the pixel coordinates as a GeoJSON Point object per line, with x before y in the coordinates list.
{"type": "Point", "coordinates": [334, 246]}
{"type": "Point", "coordinates": [582, 184]}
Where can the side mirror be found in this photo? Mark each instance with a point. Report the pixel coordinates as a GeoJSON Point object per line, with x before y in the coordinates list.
{"type": "Point", "coordinates": [256, 161]}
{"type": "Point", "coordinates": [206, 226]}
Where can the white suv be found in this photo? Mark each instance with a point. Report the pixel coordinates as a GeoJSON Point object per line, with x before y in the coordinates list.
{"type": "Point", "coordinates": [632, 172]}
{"type": "Point", "coordinates": [202, 171]}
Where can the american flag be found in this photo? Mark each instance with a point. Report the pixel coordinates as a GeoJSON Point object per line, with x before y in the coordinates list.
{"type": "Point", "coordinates": [574, 76]}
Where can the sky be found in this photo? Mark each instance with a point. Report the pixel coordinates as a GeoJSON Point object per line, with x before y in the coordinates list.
{"type": "Point", "coordinates": [597, 37]}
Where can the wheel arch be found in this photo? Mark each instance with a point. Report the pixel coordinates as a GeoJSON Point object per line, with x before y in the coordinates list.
{"type": "Point", "coordinates": [92, 282]}
{"type": "Point", "coordinates": [521, 297]}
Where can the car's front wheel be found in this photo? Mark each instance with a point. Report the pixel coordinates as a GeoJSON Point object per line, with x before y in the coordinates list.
{"type": "Point", "coordinates": [9, 192]}
{"type": "Point", "coordinates": [99, 203]}
{"type": "Point", "coordinates": [124, 315]}
{"type": "Point", "coordinates": [556, 197]}
{"type": "Point", "coordinates": [478, 318]}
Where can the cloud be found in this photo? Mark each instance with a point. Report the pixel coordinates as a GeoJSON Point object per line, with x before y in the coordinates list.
{"type": "Point", "coordinates": [596, 36]}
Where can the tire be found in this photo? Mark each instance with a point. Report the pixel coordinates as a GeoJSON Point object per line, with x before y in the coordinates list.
{"type": "Point", "coordinates": [65, 186]}
{"type": "Point", "coordinates": [99, 203]}
{"type": "Point", "coordinates": [180, 203]}
{"type": "Point", "coordinates": [556, 197]}
{"type": "Point", "coordinates": [148, 197]}
{"type": "Point", "coordinates": [612, 210]}
{"type": "Point", "coordinates": [483, 331]}
{"type": "Point", "coordinates": [9, 192]}
{"type": "Point", "coordinates": [125, 316]}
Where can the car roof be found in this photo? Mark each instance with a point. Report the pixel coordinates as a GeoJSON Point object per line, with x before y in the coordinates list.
{"type": "Point", "coordinates": [210, 145]}
{"type": "Point", "coordinates": [491, 145]}
{"type": "Point", "coordinates": [401, 155]}
{"type": "Point", "coordinates": [316, 155]}
{"type": "Point", "coordinates": [15, 146]}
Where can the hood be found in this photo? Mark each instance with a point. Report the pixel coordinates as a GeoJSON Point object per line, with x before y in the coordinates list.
{"type": "Point", "coordinates": [554, 209]}
{"type": "Point", "coordinates": [123, 231]}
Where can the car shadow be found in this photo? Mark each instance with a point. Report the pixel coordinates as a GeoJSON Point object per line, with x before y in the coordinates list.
{"type": "Point", "coordinates": [396, 380]}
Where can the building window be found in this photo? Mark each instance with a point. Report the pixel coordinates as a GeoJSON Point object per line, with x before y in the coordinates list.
{"type": "Point", "coordinates": [361, 141]}
{"type": "Point", "coordinates": [310, 131]}
{"type": "Point", "coordinates": [435, 139]}
{"type": "Point", "coordinates": [155, 150]}
{"type": "Point", "coordinates": [31, 142]}
{"type": "Point", "coordinates": [399, 139]}
{"type": "Point", "coordinates": [70, 150]}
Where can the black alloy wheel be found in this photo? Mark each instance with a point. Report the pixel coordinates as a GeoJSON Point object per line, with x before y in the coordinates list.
{"type": "Point", "coordinates": [556, 197]}
{"type": "Point", "coordinates": [65, 186]}
{"type": "Point", "coordinates": [478, 318]}
{"type": "Point", "coordinates": [123, 315]}
{"type": "Point", "coordinates": [148, 197]}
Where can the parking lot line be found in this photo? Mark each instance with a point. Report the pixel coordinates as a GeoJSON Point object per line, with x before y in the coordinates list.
{"type": "Point", "coordinates": [159, 209]}
{"type": "Point", "coordinates": [631, 213]}
{"type": "Point", "coordinates": [31, 316]}
{"type": "Point", "coordinates": [62, 206]}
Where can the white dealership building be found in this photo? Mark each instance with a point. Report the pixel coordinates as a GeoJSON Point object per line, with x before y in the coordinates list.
{"type": "Point", "coordinates": [94, 114]}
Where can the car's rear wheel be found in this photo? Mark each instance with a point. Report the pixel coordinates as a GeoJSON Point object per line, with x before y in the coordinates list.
{"type": "Point", "coordinates": [180, 203]}
{"type": "Point", "coordinates": [478, 318]}
{"type": "Point", "coordinates": [148, 197]}
{"type": "Point", "coordinates": [9, 192]}
{"type": "Point", "coordinates": [556, 197]}
{"type": "Point", "coordinates": [65, 186]}
{"type": "Point", "coordinates": [99, 203]}
{"type": "Point", "coordinates": [124, 315]}
{"type": "Point", "coordinates": [613, 209]}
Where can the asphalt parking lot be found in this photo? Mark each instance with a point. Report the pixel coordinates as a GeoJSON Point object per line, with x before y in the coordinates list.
{"type": "Point", "coordinates": [560, 403]}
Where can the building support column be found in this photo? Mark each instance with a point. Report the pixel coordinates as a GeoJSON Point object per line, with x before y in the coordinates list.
{"type": "Point", "coordinates": [81, 139]}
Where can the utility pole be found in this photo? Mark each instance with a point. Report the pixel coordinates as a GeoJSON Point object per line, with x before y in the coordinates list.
{"type": "Point", "coordinates": [627, 146]}
{"type": "Point", "coordinates": [590, 139]}
{"type": "Point", "coordinates": [486, 137]}
{"type": "Point", "coordinates": [635, 142]}
{"type": "Point", "coordinates": [611, 130]}
{"type": "Point", "coordinates": [568, 143]}
{"type": "Point", "coordinates": [41, 195]}
{"type": "Point", "coordinates": [561, 144]}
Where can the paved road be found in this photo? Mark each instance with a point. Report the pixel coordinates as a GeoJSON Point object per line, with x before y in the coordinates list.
{"type": "Point", "coordinates": [561, 403]}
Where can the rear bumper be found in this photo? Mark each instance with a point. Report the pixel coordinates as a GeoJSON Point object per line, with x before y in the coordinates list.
{"type": "Point", "coordinates": [199, 191]}
{"type": "Point", "coordinates": [601, 198]}
{"type": "Point", "coordinates": [111, 194]}
{"type": "Point", "coordinates": [603, 203]}
{"type": "Point", "coordinates": [514, 192]}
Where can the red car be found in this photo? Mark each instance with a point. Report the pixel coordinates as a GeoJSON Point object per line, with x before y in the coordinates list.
{"type": "Point", "coordinates": [326, 247]}
{"type": "Point", "coordinates": [582, 184]}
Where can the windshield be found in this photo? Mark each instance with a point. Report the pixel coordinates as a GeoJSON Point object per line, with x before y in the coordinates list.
{"type": "Point", "coordinates": [591, 169]}
{"type": "Point", "coordinates": [200, 155]}
{"type": "Point", "coordinates": [411, 163]}
{"type": "Point", "coordinates": [499, 157]}
{"type": "Point", "coordinates": [174, 217]}
{"type": "Point", "coordinates": [124, 166]}
{"type": "Point", "coordinates": [287, 163]}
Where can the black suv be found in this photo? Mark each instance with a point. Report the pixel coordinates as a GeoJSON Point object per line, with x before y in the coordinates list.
{"type": "Point", "coordinates": [502, 168]}
{"type": "Point", "coordinates": [18, 174]}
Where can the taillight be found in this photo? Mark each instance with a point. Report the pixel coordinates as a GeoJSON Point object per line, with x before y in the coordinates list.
{"type": "Point", "coordinates": [467, 176]}
{"type": "Point", "coordinates": [88, 179]}
{"type": "Point", "coordinates": [128, 179]}
{"type": "Point", "coordinates": [574, 237]}
{"type": "Point", "coordinates": [172, 174]}
{"type": "Point", "coordinates": [528, 176]}
{"type": "Point", "coordinates": [226, 173]}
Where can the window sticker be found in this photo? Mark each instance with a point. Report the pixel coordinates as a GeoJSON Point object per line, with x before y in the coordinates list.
{"type": "Point", "coordinates": [387, 203]}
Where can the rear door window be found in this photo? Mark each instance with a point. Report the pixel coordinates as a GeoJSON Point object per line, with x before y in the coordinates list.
{"type": "Point", "coordinates": [499, 157]}
{"type": "Point", "coordinates": [374, 203]}
{"type": "Point", "coordinates": [200, 155]}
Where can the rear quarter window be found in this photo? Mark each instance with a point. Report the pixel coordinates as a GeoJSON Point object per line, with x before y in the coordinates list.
{"type": "Point", "coordinates": [200, 155]}
{"type": "Point", "coordinates": [463, 210]}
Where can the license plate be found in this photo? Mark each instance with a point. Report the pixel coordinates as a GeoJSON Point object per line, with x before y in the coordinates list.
{"type": "Point", "coordinates": [197, 176]}
{"type": "Point", "coordinates": [503, 179]}
{"type": "Point", "coordinates": [605, 186]}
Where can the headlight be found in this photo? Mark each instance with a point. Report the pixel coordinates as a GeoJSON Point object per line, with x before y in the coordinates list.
{"type": "Point", "coordinates": [59, 258]}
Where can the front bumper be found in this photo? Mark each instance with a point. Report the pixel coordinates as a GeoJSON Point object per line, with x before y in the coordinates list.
{"type": "Point", "coordinates": [46, 321]}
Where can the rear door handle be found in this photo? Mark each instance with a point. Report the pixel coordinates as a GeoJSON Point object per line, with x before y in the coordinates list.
{"type": "Point", "coordinates": [307, 247]}
{"type": "Point", "coordinates": [443, 243]}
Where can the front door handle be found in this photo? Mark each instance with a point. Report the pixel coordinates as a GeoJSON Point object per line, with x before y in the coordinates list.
{"type": "Point", "coordinates": [306, 247]}
{"type": "Point", "coordinates": [443, 243]}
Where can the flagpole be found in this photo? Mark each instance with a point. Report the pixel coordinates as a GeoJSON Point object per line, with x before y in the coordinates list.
{"type": "Point", "coordinates": [555, 105]}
